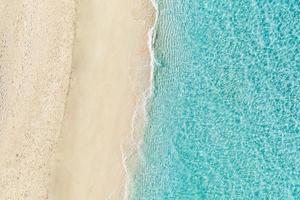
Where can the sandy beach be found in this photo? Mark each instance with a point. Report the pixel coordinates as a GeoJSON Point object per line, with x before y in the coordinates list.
{"type": "Point", "coordinates": [110, 70]}
{"type": "Point", "coordinates": [71, 77]}
{"type": "Point", "coordinates": [36, 39]}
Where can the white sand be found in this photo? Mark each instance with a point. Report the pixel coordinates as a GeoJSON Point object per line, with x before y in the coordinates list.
{"type": "Point", "coordinates": [59, 142]}
{"type": "Point", "coordinates": [35, 60]}
{"type": "Point", "coordinates": [110, 70]}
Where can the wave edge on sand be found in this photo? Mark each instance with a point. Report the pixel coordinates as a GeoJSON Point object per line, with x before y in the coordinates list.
{"type": "Point", "coordinates": [138, 124]}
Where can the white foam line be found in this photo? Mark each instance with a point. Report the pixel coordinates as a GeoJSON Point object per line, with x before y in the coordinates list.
{"type": "Point", "coordinates": [151, 39]}
{"type": "Point", "coordinates": [124, 158]}
{"type": "Point", "coordinates": [142, 105]}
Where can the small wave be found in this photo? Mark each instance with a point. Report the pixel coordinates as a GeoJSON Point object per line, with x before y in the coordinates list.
{"type": "Point", "coordinates": [140, 112]}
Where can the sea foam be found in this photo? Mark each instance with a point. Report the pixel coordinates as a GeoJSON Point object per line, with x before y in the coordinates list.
{"type": "Point", "coordinates": [131, 157]}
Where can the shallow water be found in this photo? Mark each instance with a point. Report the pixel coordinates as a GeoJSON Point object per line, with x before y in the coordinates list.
{"type": "Point", "coordinates": [224, 117]}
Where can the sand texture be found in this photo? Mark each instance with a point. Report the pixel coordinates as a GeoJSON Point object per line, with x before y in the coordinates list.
{"type": "Point", "coordinates": [36, 40]}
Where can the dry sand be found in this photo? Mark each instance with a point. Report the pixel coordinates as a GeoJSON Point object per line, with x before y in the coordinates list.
{"type": "Point", "coordinates": [35, 61]}
{"type": "Point", "coordinates": [110, 70]}
{"type": "Point", "coordinates": [63, 141]}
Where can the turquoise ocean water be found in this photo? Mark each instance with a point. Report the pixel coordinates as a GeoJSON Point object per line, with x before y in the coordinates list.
{"type": "Point", "coordinates": [224, 117]}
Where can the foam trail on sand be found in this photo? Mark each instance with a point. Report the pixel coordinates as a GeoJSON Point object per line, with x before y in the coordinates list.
{"type": "Point", "coordinates": [140, 110]}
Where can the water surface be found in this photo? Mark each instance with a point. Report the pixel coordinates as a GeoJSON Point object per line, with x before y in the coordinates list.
{"type": "Point", "coordinates": [224, 117]}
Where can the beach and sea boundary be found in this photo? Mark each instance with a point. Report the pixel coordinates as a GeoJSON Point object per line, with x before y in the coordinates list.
{"type": "Point", "coordinates": [72, 74]}
{"type": "Point", "coordinates": [110, 78]}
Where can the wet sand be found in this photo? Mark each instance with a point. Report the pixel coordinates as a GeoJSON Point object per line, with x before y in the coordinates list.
{"type": "Point", "coordinates": [110, 71]}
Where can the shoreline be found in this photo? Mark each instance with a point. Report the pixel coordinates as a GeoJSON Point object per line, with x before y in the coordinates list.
{"type": "Point", "coordinates": [141, 109]}
{"type": "Point", "coordinates": [110, 73]}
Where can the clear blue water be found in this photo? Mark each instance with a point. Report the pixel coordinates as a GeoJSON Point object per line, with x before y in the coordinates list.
{"type": "Point", "coordinates": [224, 118]}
